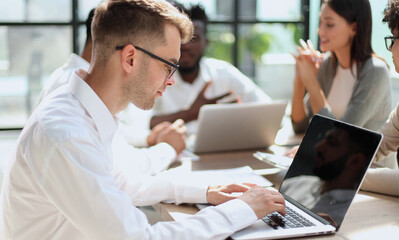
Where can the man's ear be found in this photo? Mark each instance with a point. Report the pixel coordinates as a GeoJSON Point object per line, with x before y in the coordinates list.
{"type": "Point", "coordinates": [128, 55]}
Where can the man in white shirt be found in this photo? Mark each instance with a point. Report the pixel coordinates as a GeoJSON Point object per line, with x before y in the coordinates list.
{"type": "Point", "coordinates": [63, 183]}
{"type": "Point", "coordinates": [201, 80]}
{"type": "Point", "coordinates": [166, 140]}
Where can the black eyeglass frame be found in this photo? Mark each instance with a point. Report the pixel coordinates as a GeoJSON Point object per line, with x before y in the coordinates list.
{"type": "Point", "coordinates": [389, 48]}
{"type": "Point", "coordinates": [174, 66]}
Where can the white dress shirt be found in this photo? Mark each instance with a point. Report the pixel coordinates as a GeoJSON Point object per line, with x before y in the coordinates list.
{"type": "Point", "coordinates": [62, 182]}
{"type": "Point", "coordinates": [62, 74]}
{"type": "Point", "coordinates": [225, 78]}
{"type": "Point", "coordinates": [149, 160]}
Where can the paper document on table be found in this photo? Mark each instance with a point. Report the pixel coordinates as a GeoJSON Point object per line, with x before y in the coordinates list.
{"type": "Point", "coordinates": [275, 160]}
{"type": "Point", "coordinates": [234, 175]}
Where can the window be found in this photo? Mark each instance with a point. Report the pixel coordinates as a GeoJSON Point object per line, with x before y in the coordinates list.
{"type": "Point", "coordinates": [37, 36]}
{"type": "Point", "coordinates": [236, 25]}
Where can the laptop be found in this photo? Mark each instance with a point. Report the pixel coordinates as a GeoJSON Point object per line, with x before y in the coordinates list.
{"type": "Point", "coordinates": [224, 127]}
{"type": "Point", "coordinates": [321, 182]}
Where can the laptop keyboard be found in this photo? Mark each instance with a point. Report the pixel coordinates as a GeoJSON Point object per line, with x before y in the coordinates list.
{"type": "Point", "coordinates": [290, 220]}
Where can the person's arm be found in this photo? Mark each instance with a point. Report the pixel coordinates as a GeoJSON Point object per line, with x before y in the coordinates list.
{"type": "Point", "coordinates": [298, 113]}
{"type": "Point", "coordinates": [175, 186]}
{"type": "Point", "coordinates": [168, 143]}
{"type": "Point", "coordinates": [302, 109]}
{"type": "Point", "coordinates": [191, 113]}
{"type": "Point", "coordinates": [390, 132]}
{"type": "Point", "coordinates": [186, 115]}
{"type": "Point", "coordinates": [382, 180]}
{"type": "Point", "coordinates": [308, 76]}
{"type": "Point", "coordinates": [81, 187]}
{"type": "Point", "coordinates": [134, 125]}
{"type": "Point", "coordinates": [149, 161]}
{"type": "Point", "coordinates": [307, 65]}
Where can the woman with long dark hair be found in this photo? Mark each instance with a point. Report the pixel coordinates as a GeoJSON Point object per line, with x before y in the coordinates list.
{"type": "Point", "coordinates": [351, 84]}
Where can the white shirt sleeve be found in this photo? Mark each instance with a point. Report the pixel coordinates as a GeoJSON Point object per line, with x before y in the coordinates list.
{"type": "Point", "coordinates": [133, 160]}
{"type": "Point", "coordinates": [172, 186]}
{"type": "Point", "coordinates": [78, 182]}
{"type": "Point", "coordinates": [134, 125]}
{"type": "Point", "coordinates": [390, 130]}
{"type": "Point", "coordinates": [382, 180]}
{"type": "Point", "coordinates": [210, 223]}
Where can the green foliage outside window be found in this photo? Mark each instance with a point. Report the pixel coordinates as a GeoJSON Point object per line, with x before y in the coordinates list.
{"type": "Point", "coordinates": [220, 45]}
{"type": "Point", "coordinates": [257, 42]}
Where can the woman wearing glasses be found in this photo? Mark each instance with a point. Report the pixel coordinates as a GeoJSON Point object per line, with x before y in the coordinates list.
{"type": "Point", "coordinates": [386, 180]}
{"type": "Point", "coordinates": [351, 84]}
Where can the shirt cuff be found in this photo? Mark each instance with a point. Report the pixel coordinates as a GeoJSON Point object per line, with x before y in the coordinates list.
{"type": "Point", "coordinates": [138, 139]}
{"type": "Point", "coordinates": [168, 152]}
{"type": "Point", "coordinates": [194, 192]}
{"type": "Point", "coordinates": [239, 213]}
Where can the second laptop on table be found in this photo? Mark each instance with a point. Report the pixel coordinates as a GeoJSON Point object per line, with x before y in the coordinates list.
{"type": "Point", "coordinates": [226, 127]}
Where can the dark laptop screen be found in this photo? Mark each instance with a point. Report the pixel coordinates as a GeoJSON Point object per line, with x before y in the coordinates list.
{"type": "Point", "coordinates": [329, 167]}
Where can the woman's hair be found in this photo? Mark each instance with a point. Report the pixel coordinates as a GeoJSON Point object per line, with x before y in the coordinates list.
{"type": "Point", "coordinates": [391, 15]}
{"type": "Point", "coordinates": [355, 11]}
{"type": "Point", "coordinates": [141, 22]}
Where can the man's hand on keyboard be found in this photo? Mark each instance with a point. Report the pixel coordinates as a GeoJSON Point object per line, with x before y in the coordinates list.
{"type": "Point", "coordinates": [264, 201]}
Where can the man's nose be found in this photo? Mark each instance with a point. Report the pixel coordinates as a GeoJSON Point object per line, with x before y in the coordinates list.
{"type": "Point", "coordinates": [170, 81]}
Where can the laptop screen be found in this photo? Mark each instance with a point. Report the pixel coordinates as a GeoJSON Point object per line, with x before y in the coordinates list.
{"type": "Point", "coordinates": [329, 167]}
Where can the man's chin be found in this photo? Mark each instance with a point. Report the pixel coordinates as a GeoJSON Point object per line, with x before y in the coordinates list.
{"type": "Point", "coordinates": [145, 106]}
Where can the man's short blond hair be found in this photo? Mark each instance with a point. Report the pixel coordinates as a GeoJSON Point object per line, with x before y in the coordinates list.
{"type": "Point", "coordinates": [140, 22]}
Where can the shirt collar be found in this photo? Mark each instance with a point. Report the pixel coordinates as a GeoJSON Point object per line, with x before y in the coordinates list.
{"type": "Point", "coordinates": [106, 124]}
{"type": "Point", "coordinates": [76, 60]}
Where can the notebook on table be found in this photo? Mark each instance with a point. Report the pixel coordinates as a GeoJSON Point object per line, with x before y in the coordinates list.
{"type": "Point", "coordinates": [224, 127]}
{"type": "Point", "coordinates": [321, 182]}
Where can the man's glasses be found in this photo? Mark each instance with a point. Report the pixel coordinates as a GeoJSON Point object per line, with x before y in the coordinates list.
{"type": "Point", "coordinates": [172, 67]}
{"type": "Point", "coordinates": [389, 41]}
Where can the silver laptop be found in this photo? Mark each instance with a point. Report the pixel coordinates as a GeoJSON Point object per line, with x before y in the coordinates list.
{"type": "Point", "coordinates": [321, 182]}
{"type": "Point", "coordinates": [223, 127]}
